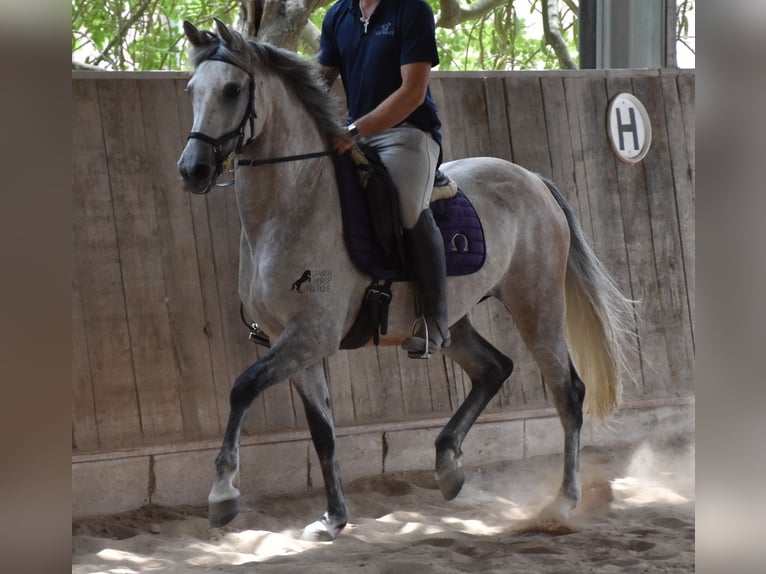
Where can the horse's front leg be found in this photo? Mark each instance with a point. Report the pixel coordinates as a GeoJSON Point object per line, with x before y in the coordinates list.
{"type": "Point", "coordinates": [312, 386]}
{"type": "Point", "coordinates": [293, 351]}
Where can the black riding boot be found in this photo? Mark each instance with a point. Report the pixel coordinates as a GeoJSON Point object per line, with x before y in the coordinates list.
{"type": "Point", "coordinates": [425, 248]}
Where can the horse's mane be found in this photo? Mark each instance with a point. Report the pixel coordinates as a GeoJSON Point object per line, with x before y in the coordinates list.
{"type": "Point", "coordinates": [301, 75]}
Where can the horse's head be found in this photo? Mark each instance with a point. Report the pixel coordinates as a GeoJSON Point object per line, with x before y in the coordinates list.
{"type": "Point", "coordinates": [222, 90]}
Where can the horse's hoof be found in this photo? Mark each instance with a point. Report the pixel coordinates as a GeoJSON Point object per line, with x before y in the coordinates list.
{"type": "Point", "coordinates": [450, 482]}
{"type": "Point", "coordinates": [321, 531]}
{"type": "Point", "coordinates": [223, 512]}
{"type": "Point", "coordinates": [557, 511]}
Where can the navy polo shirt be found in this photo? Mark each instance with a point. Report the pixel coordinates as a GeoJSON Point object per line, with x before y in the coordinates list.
{"type": "Point", "coordinates": [400, 32]}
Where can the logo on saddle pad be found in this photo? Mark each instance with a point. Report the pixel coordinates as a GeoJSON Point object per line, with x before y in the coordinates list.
{"type": "Point", "coordinates": [313, 281]}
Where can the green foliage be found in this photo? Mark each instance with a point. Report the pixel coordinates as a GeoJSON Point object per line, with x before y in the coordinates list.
{"type": "Point", "coordinates": [138, 34]}
{"type": "Point", "coordinates": [503, 40]}
{"type": "Point", "coordinates": [685, 13]}
{"type": "Point", "coordinates": [147, 34]}
{"type": "Point", "coordinates": [318, 15]}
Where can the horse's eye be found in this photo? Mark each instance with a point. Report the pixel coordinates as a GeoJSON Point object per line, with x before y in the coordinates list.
{"type": "Point", "coordinates": [232, 91]}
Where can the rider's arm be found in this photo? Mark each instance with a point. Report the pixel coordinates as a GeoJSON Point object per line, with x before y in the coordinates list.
{"type": "Point", "coordinates": [400, 104]}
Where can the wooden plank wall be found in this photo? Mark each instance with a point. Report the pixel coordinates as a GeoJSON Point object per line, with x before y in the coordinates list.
{"type": "Point", "coordinates": [157, 338]}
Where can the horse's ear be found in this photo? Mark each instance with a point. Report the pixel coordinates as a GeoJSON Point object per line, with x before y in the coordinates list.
{"type": "Point", "coordinates": [196, 38]}
{"type": "Point", "coordinates": [226, 35]}
{"type": "Point", "coordinates": [230, 39]}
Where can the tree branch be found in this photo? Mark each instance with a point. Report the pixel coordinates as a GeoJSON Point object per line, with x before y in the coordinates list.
{"type": "Point", "coordinates": [451, 13]}
{"type": "Point", "coordinates": [573, 7]}
{"type": "Point", "coordinates": [250, 15]}
{"type": "Point", "coordinates": [553, 35]}
{"type": "Point", "coordinates": [120, 37]}
{"type": "Point", "coordinates": [279, 22]}
{"type": "Point", "coordinates": [84, 66]}
{"type": "Point", "coordinates": [310, 38]}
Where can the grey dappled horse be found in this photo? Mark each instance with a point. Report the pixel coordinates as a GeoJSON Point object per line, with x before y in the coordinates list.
{"type": "Point", "coordinates": [538, 264]}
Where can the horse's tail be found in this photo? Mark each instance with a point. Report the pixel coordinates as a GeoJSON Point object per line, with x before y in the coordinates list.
{"type": "Point", "coordinates": [599, 321]}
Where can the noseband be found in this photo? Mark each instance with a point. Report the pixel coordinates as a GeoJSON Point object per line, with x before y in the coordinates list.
{"type": "Point", "coordinates": [239, 132]}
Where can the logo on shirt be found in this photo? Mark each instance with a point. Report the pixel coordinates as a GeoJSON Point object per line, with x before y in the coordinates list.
{"type": "Point", "coordinates": [386, 29]}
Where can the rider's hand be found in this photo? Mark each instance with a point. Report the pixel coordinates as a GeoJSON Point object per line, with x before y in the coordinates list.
{"type": "Point", "coordinates": [342, 144]}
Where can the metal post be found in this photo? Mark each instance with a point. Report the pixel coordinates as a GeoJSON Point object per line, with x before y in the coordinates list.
{"type": "Point", "coordinates": [627, 33]}
{"type": "Point", "coordinates": [588, 34]}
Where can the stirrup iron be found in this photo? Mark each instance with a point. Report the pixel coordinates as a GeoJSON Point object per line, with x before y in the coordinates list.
{"type": "Point", "coordinates": [426, 353]}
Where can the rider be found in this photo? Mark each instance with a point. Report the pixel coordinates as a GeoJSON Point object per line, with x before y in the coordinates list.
{"type": "Point", "coordinates": [384, 51]}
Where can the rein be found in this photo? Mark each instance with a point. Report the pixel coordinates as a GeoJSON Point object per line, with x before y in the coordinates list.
{"type": "Point", "coordinates": [257, 162]}
{"type": "Point", "coordinates": [239, 132]}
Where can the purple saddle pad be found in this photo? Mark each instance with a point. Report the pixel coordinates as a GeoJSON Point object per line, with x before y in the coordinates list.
{"type": "Point", "coordinates": [456, 217]}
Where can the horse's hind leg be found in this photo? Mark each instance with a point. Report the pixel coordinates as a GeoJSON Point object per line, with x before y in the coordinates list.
{"type": "Point", "coordinates": [487, 368]}
{"type": "Point", "coordinates": [568, 394]}
{"type": "Point", "coordinates": [540, 317]}
{"type": "Point", "coordinates": [312, 387]}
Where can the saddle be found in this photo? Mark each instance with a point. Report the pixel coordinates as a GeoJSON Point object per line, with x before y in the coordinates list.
{"type": "Point", "coordinates": [373, 234]}
{"type": "Point", "coordinates": [372, 226]}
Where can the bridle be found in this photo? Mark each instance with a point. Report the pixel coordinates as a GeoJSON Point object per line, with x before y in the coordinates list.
{"type": "Point", "coordinates": [239, 133]}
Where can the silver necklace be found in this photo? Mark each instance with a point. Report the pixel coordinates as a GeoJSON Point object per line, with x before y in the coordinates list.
{"type": "Point", "coordinates": [364, 20]}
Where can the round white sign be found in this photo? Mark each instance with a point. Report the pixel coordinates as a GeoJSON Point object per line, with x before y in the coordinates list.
{"type": "Point", "coordinates": [629, 128]}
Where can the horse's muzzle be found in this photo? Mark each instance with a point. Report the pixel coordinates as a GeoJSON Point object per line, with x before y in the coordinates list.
{"type": "Point", "coordinates": [197, 168]}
